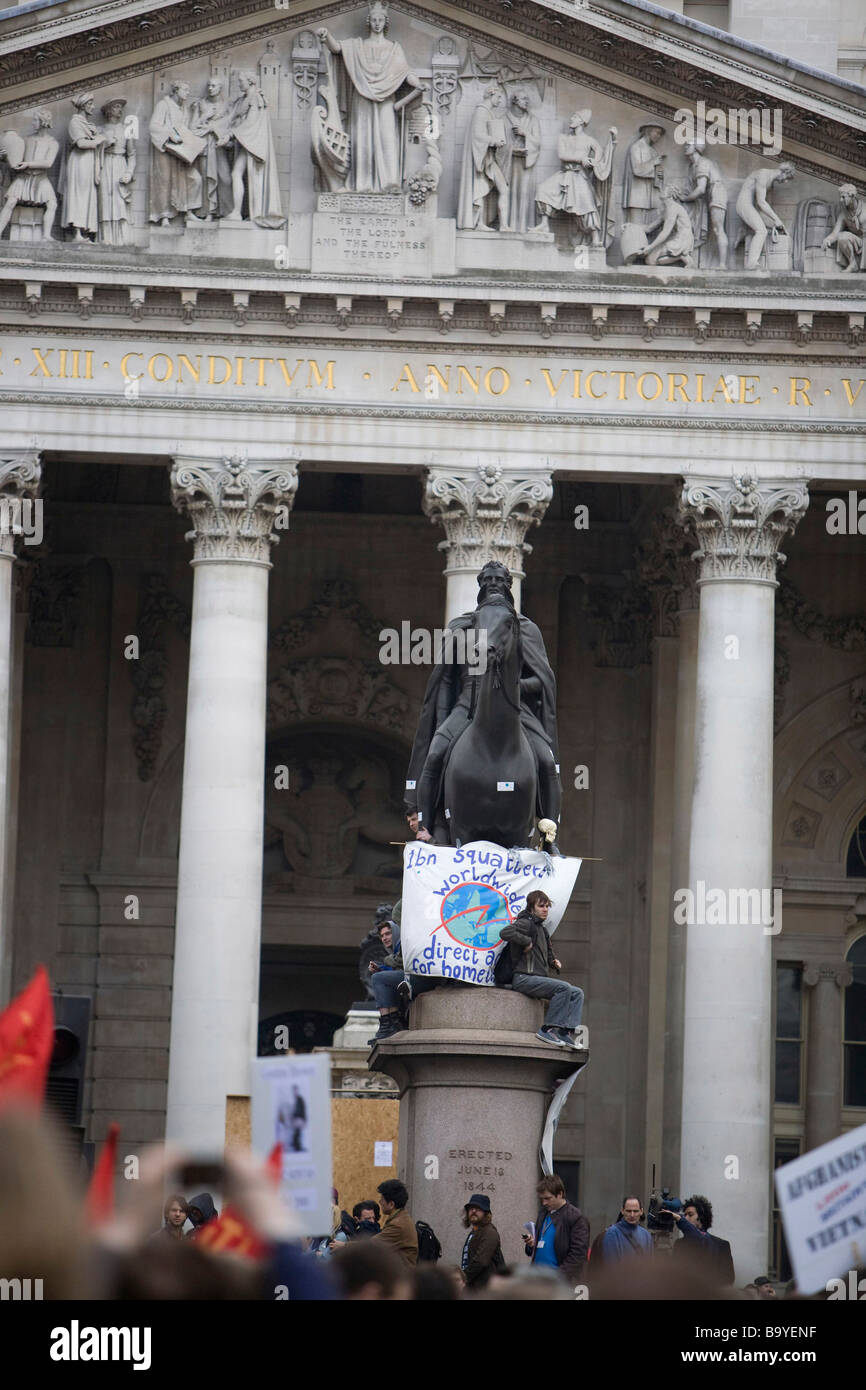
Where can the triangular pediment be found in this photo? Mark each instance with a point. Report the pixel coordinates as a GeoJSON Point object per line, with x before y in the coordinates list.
{"type": "Point", "coordinates": [618, 71]}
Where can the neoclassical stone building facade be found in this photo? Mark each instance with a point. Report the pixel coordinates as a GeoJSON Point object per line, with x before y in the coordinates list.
{"type": "Point", "coordinates": [393, 286]}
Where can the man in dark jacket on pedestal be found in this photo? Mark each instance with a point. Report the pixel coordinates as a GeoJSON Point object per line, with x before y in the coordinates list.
{"type": "Point", "coordinates": [482, 1252]}
{"type": "Point", "coordinates": [561, 1232]}
{"type": "Point", "coordinates": [535, 968]}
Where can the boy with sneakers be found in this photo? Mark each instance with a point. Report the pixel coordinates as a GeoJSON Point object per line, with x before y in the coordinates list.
{"type": "Point", "coordinates": [535, 967]}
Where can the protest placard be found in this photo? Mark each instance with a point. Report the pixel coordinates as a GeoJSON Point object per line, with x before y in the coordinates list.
{"type": "Point", "coordinates": [291, 1106]}
{"type": "Point", "coordinates": [822, 1196]}
{"type": "Point", "coordinates": [456, 902]}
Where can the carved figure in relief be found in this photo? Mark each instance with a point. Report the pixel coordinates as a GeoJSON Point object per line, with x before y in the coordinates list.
{"type": "Point", "coordinates": [756, 213]}
{"type": "Point", "coordinates": [30, 161]}
{"type": "Point", "coordinates": [375, 68]}
{"type": "Point", "coordinates": [849, 232]}
{"type": "Point", "coordinates": [642, 178]}
{"type": "Point", "coordinates": [80, 177]}
{"type": "Point", "coordinates": [175, 181]}
{"type": "Point", "coordinates": [116, 173]}
{"type": "Point", "coordinates": [485, 156]}
{"type": "Point", "coordinates": [254, 169]}
{"type": "Point", "coordinates": [709, 196]}
{"type": "Point", "coordinates": [582, 186]}
{"type": "Point", "coordinates": [523, 150]}
{"type": "Point", "coordinates": [675, 240]}
{"type": "Point", "coordinates": [210, 118]}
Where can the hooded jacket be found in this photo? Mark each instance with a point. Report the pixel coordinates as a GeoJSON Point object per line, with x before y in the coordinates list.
{"type": "Point", "coordinates": [529, 930]}
{"type": "Point", "coordinates": [204, 1203]}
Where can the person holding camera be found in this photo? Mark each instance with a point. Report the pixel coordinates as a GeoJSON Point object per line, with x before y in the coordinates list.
{"type": "Point", "coordinates": [627, 1236]}
{"type": "Point", "coordinates": [713, 1253]}
{"type": "Point", "coordinates": [534, 966]}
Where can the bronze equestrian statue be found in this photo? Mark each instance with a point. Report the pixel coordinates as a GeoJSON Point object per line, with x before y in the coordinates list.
{"type": "Point", "coordinates": [484, 761]}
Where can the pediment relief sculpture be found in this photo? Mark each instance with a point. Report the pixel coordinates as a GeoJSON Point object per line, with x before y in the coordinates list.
{"type": "Point", "coordinates": [380, 113]}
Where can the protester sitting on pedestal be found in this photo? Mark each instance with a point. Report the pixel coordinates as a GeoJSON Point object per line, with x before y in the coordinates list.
{"type": "Point", "coordinates": [373, 948]}
{"type": "Point", "coordinates": [398, 1229]}
{"type": "Point", "coordinates": [482, 1251]}
{"type": "Point", "coordinates": [710, 1252]}
{"type": "Point", "coordinates": [626, 1236]}
{"type": "Point", "coordinates": [561, 1237]}
{"type": "Point", "coordinates": [534, 965]}
{"type": "Point", "coordinates": [391, 988]}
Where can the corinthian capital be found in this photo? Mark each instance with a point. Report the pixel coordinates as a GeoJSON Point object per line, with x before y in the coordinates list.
{"type": "Point", "coordinates": [20, 475]}
{"type": "Point", "coordinates": [740, 523]}
{"type": "Point", "coordinates": [666, 567]}
{"type": "Point", "coordinates": [234, 505]}
{"type": "Point", "coordinates": [486, 512]}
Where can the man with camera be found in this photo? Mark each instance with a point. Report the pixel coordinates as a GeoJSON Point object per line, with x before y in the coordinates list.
{"type": "Point", "coordinates": [711, 1252]}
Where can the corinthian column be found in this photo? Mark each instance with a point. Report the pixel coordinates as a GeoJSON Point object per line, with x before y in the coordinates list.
{"type": "Point", "coordinates": [740, 524]}
{"type": "Point", "coordinates": [824, 1052]}
{"type": "Point", "coordinates": [486, 512]}
{"type": "Point", "coordinates": [232, 506]}
{"type": "Point", "coordinates": [20, 474]}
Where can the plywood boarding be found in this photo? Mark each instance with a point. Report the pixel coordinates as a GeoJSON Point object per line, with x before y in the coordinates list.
{"type": "Point", "coordinates": [358, 1122]}
{"type": "Point", "coordinates": [237, 1122]}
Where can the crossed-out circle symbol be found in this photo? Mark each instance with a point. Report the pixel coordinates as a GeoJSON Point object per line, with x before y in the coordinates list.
{"type": "Point", "coordinates": [474, 914]}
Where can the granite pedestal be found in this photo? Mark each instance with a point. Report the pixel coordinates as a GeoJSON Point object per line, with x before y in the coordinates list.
{"type": "Point", "coordinates": [475, 1084]}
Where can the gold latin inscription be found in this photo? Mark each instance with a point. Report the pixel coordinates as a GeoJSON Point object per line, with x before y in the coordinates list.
{"type": "Point", "coordinates": [198, 373]}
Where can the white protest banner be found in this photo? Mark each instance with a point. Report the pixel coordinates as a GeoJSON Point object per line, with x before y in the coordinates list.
{"type": "Point", "coordinates": [456, 902]}
{"type": "Point", "coordinates": [291, 1106]}
{"type": "Point", "coordinates": [822, 1196]}
{"type": "Point", "coordinates": [551, 1124]}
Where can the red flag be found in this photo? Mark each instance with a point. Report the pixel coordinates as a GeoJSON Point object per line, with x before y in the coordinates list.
{"type": "Point", "coordinates": [230, 1233]}
{"type": "Point", "coordinates": [27, 1041]}
{"type": "Point", "coordinates": [100, 1193]}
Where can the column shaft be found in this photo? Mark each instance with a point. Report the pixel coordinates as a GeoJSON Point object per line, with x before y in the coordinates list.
{"type": "Point", "coordinates": [218, 920]}
{"type": "Point", "coordinates": [726, 1061]}
{"type": "Point", "coordinates": [219, 887]}
{"type": "Point", "coordinates": [19, 481]}
{"type": "Point", "coordinates": [727, 1016]}
{"type": "Point", "coordinates": [684, 772]}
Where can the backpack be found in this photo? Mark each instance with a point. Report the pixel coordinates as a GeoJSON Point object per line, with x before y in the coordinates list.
{"type": "Point", "coordinates": [429, 1249]}
{"type": "Point", "coordinates": [503, 970]}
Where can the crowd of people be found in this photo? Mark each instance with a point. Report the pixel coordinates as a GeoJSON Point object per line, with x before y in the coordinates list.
{"type": "Point", "coordinates": [378, 1252]}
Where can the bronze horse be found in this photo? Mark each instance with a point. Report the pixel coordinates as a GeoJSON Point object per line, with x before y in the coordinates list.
{"type": "Point", "coordinates": [490, 781]}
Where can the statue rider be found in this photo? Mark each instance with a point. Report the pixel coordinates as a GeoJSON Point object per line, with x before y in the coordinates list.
{"type": "Point", "coordinates": [449, 703]}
